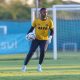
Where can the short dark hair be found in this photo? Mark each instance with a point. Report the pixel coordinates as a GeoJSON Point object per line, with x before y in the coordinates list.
{"type": "Point", "coordinates": [42, 9]}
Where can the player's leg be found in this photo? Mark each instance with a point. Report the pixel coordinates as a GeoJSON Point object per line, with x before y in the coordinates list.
{"type": "Point", "coordinates": [42, 50]}
{"type": "Point", "coordinates": [33, 47]}
{"type": "Point", "coordinates": [42, 53]}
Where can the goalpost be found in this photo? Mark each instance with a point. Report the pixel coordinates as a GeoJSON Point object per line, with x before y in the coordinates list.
{"type": "Point", "coordinates": [66, 20]}
{"type": "Point", "coordinates": [66, 28]}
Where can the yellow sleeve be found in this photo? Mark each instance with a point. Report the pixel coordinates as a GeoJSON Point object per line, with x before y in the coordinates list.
{"type": "Point", "coordinates": [34, 23]}
{"type": "Point", "coordinates": [51, 24]}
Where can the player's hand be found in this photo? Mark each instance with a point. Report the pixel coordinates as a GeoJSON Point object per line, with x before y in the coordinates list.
{"type": "Point", "coordinates": [49, 39]}
{"type": "Point", "coordinates": [30, 36]}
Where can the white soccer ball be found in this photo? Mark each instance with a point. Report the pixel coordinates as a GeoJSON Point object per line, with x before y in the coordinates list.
{"type": "Point", "coordinates": [30, 36]}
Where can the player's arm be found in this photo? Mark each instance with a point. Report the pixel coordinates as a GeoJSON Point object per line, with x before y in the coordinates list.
{"type": "Point", "coordinates": [31, 29]}
{"type": "Point", "coordinates": [33, 26]}
{"type": "Point", "coordinates": [51, 32]}
{"type": "Point", "coordinates": [30, 33]}
{"type": "Point", "coordinates": [51, 35]}
{"type": "Point", "coordinates": [51, 27]}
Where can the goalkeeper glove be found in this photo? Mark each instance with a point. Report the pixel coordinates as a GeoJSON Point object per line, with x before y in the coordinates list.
{"type": "Point", "coordinates": [30, 36]}
{"type": "Point", "coordinates": [49, 39]}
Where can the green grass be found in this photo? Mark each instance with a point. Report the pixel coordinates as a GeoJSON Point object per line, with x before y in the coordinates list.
{"type": "Point", "coordinates": [67, 67]}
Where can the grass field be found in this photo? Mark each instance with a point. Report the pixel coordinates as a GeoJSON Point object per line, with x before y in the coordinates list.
{"type": "Point", "coordinates": [67, 67]}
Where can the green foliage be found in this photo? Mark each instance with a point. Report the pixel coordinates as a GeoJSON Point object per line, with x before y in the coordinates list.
{"type": "Point", "coordinates": [44, 3]}
{"type": "Point", "coordinates": [15, 11]}
{"type": "Point", "coordinates": [57, 2]}
{"type": "Point", "coordinates": [23, 13]}
{"type": "Point", "coordinates": [4, 14]}
{"type": "Point", "coordinates": [18, 11]}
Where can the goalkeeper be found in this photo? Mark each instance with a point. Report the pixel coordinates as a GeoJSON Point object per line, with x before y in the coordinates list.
{"type": "Point", "coordinates": [42, 25]}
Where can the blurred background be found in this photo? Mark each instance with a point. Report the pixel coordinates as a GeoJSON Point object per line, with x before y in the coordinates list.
{"type": "Point", "coordinates": [15, 21]}
{"type": "Point", "coordinates": [21, 9]}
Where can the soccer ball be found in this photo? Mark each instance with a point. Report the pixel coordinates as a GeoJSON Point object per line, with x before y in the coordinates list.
{"type": "Point", "coordinates": [30, 36]}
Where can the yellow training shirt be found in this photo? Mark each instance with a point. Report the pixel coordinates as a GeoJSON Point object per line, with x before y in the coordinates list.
{"type": "Point", "coordinates": [42, 28]}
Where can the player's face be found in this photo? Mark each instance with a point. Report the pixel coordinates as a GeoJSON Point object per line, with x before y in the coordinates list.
{"type": "Point", "coordinates": [43, 13]}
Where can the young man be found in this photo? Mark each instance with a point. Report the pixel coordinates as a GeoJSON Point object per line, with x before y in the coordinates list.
{"type": "Point", "coordinates": [42, 27]}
